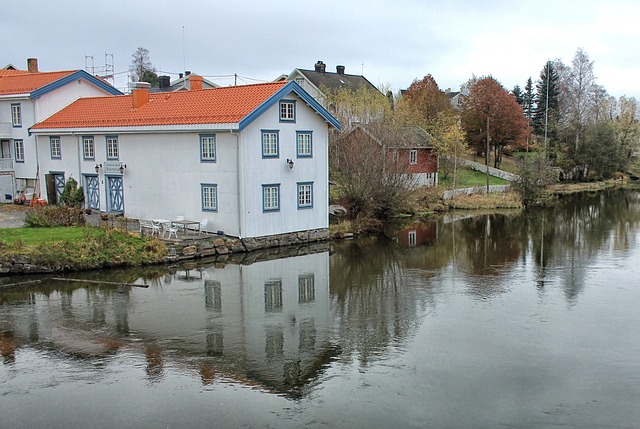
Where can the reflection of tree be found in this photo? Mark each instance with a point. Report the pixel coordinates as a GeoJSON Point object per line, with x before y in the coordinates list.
{"type": "Point", "coordinates": [377, 300]}
{"type": "Point", "coordinates": [581, 230]}
{"type": "Point", "coordinates": [486, 244]}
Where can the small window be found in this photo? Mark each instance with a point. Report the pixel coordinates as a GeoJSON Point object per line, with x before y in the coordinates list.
{"type": "Point", "coordinates": [303, 143]}
{"type": "Point", "coordinates": [56, 150]}
{"type": "Point", "coordinates": [208, 148]}
{"type": "Point", "coordinates": [19, 150]}
{"type": "Point", "coordinates": [89, 147]}
{"type": "Point", "coordinates": [305, 195]}
{"type": "Point", "coordinates": [112, 147]}
{"type": "Point", "coordinates": [300, 81]}
{"type": "Point", "coordinates": [269, 144]}
{"type": "Point", "coordinates": [270, 198]}
{"type": "Point", "coordinates": [413, 238]}
{"type": "Point", "coordinates": [16, 115]}
{"type": "Point", "coordinates": [306, 288]}
{"type": "Point", "coordinates": [287, 111]}
{"type": "Point", "coordinates": [273, 295]}
{"type": "Point", "coordinates": [413, 156]}
{"type": "Point", "coordinates": [209, 197]}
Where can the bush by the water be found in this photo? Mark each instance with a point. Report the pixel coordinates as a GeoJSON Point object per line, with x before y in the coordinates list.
{"type": "Point", "coordinates": [49, 216]}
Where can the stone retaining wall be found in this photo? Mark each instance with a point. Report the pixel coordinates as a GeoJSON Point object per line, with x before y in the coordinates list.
{"type": "Point", "coordinates": [196, 248]}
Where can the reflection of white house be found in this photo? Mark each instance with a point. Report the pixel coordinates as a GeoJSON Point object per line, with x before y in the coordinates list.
{"type": "Point", "coordinates": [273, 316]}
{"type": "Point", "coordinates": [27, 97]}
{"type": "Point", "coordinates": [252, 160]}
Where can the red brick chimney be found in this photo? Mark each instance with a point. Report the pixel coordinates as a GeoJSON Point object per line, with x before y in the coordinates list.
{"type": "Point", "coordinates": [195, 82]}
{"type": "Point", "coordinates": [140, 93]}
{"type": "Point", "coordinates": [32, 65]}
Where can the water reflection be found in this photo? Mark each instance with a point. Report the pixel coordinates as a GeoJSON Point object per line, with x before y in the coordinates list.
{"type": "Point", "coordinates": [282, 322]}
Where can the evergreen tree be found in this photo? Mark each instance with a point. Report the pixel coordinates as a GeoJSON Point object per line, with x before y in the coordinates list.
{"type": "Point", "coordinates": [517, 92]}
{"type": "Point", "coordinates": [528, 100]}
{"type": "Point", "coordinates": [546, 111]}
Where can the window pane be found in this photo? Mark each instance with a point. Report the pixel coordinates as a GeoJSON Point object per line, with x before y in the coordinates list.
{"type": "Point", "coordinates": [55, 147]}
{"type": "Point", "coordinates": [305, 195]}
{"type": "Point", "coordinates": [269, 144]}
{"type": "Point", "coordinates": [210, 197]}
{"type": "Point", "coordinates": [270, 197]}
{"type": "Point", "coordinates": [287, 111]}
{"type": "Point", "coordinates": [208, 148]}
{"type": "Point", "coordinates": [304, 144]}
{"type": "Point", "coordinates": [16, 115]}
{"type": "Point", "coordinates": [19, 150]}
{"type": "Point", "coordinates": [89, 148]}
{"type": "Point", "coordinates": [112, 147]}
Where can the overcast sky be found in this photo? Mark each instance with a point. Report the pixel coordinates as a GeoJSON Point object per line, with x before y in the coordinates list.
{"type": "Point", "coordinates": [390, 42]}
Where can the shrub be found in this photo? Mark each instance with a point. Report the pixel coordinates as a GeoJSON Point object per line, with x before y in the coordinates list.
{"type": "Point", "coordinates": [72, 196]}
{"type": "Point", "coordinates": [48, 216]}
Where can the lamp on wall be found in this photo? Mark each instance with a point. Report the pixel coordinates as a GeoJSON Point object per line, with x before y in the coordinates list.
{"type": "Point", "coordinates": [122, 168]}
{"type": "Point", "coordinates": [290, 162]}
{"type": "Point", "coordinates": [98, 167]}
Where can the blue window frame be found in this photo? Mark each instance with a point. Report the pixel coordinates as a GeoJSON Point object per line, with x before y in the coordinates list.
{"type": "Point", "coordinates": [208, 148]}
{"type": "Point", "coordinates": [19, 150]}
{"type": "Point", "coordinates": [270, 144]}
{"type": "Point", "coordinates": [113, 151]}
{"type": "Point", "coordinates": [305, 195]}
{"type": "Point", "coordinates": [304, 144]}
{"type": "Point", "coordinates": [209, 192]}
{"type": "Point", "coordinates": [88, 148]}
{"type": "Point", "coordinates": [271, 197]}
{"type": "Point", "coordinates": [16, 115]}
{"type": "Point", "coordinates": [55, 147]}
{"type": "Point", "coordinates": [287, 110]}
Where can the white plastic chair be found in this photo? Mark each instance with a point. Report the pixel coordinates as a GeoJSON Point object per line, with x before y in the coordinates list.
{"type": "Point", "coordinates": [147, 224]}
{"type": "Point", "coordinates": [203, 225]}
{"type": "Point", "coordinates": [167, 228]}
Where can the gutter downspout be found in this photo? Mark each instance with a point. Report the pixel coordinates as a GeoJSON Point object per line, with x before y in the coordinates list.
{"type": "Point", "coordinates": [240, 182]}
{"type": "Point", "coordinates": [79, 159]}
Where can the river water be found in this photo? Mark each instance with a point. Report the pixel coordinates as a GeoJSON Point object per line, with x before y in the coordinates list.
{"type": "Point", "coordinates": [504, 320]}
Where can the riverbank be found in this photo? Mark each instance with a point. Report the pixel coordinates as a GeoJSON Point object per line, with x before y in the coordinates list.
{"type": "Point", "coordinates": [116, 241]}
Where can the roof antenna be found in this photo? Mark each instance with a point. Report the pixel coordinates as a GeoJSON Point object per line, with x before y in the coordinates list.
{"type": "Point", "coordinates": [362, 73]}
{"type": "Point", "coordinates": [184, 60]}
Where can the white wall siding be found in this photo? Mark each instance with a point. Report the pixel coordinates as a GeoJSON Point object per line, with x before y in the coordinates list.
{"type": "Point", "coordinates": [164, 176]}
{"type": "Point", "coordinates": [53, 101]}
{"type": "Point", "coordinates": [259, 171]}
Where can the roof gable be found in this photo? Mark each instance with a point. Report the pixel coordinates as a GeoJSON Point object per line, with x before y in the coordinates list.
{"type": "Point", "coordinates": [18, 82]}
{"type": "Point", "coordinates": [228, 105]}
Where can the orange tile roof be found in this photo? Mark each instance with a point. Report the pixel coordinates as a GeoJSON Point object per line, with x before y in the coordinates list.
{"type": "Point", "coordinates": [207, 106]}
{"type": "Point", "coordinates": [24, 82]}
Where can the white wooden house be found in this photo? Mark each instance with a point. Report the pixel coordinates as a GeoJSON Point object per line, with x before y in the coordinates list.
{"type": "Point", "coordinates": [27, 97]}
{"type": "Point", "coordinates": [252, 160]}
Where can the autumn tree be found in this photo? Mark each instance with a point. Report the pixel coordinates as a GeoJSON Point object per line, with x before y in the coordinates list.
{"type": "Point", "coordinates": [373, 184]}
{"type": "Point", "coordinates": [141, 68]}
{"type": "Point", "coordinates": [490, 111]}
{"type": "Point", "coordinates": [424, 104]}
{"type": "Point", "coordinates": [370, 184]}
{"type": "Point", "coordinates": [626, 121]}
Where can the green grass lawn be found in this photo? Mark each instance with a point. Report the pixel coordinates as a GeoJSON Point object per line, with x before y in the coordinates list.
{"type": "Point", "coordinates": [80, 247]}
{"type": "Point", "coordinates": [33, 236]}
{"type": "Point", "coordinates": [467, 178]}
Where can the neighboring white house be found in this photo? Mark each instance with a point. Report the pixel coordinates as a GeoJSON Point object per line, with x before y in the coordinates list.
{"type": "Point", "coordinates": [252, 160]}
{"type": "Point", "coordinates": [27, 97]}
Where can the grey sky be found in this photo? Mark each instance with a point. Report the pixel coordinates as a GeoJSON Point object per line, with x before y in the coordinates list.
{"type": "Point", "coordinates": [393, 42]}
